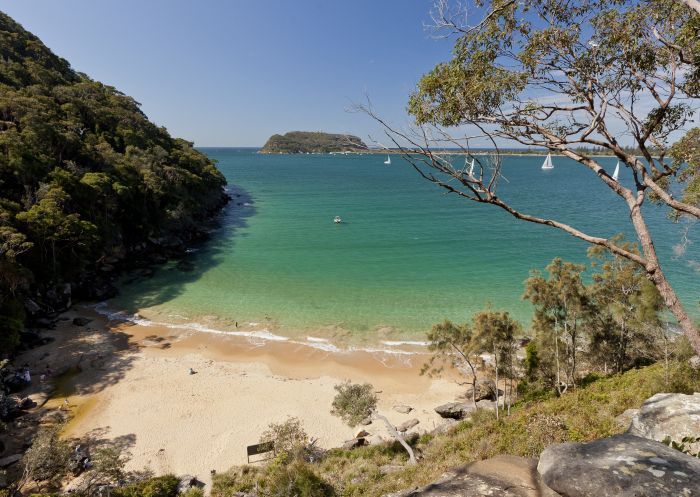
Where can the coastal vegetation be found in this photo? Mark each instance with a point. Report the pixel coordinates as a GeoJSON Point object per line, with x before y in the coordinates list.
{"type": "Point", "coordinates": [592, 61]}
{"type": "Point", "coordinates": [312, 142]}
{"type": "Point", "coordinates": [85, 178]}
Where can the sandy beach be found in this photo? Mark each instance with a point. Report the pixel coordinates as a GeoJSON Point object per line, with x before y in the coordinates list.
{"type": "Point", "coordinates": [133, 388]}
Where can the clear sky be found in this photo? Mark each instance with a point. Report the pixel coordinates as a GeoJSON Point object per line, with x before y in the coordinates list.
{"type": "Point", "coordinates": [234, 72]}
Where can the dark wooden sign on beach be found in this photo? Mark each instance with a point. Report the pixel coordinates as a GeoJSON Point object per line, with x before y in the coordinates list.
{"type": "Point", "coordinates": [262, 448]}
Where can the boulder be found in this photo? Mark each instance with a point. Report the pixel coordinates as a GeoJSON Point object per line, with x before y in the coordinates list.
{"type": "Point", "coordinates": [81, 321]}
{"type": "Point", "coordinates": [502, 476]}
{"type": "Point", "coordinates": [672, 415]}
{"type": "Point", "coordinates": [362, 434]}
{"type": "Point", "coordinates": [354, 443]}
{"type": "Point", "coordinates": [367, 421]}
{"type": "Point", "coordinates": [9, 460]}
{"type": "Point", "coordinates": [454, 410]}
{"type": "Point", "coordinates": [624, 420]}
{"type": "Point", "coordinates": [619, 466]}
{"type": "Point", "coordinates": [407, 425]}
{"type": "Point", "coordinates": [694, 362]}
{"type": "Point", "coordinates": [485, 390]}
{"type": "Point", "coordinates": [403, 409]}
{"type": "Point", "coordinates": [444, 427]}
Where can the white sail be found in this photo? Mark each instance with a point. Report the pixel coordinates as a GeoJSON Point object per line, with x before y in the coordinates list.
{"type": "Point", "coordinates": [388, 160]}
{"type": "Point", "coordinates": [471, 168]}
{"type": "Point", "coordinates": [547, 164]}
{"type": "Point", "coordinates": [616, 174]}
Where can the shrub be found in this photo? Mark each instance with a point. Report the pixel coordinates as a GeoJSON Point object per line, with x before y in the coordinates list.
{"type": "Point", "coordinates": [160, 486]}
{"type": "Point", "coordinates": [289, 437]}
{"type": "Point", "coordinates": [48, 457]}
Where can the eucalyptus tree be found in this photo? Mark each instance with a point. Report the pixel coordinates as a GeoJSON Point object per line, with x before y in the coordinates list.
{"type": "Point", "coordinates": [454, 345]}
{"type": "Point", "coordinates": [566, 76]}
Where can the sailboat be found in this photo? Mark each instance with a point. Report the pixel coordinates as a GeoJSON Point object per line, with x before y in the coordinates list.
{"type": "Point", "coordinates": [388, 160]}
{"type": "Point", "coordinates": [471, 168]}
{"type": "Point", "coordinates": [616, 174]}
{"type": "Point", "coordinates": [547, 164]}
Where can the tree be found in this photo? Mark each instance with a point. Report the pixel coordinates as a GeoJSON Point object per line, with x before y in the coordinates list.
{"type": "Point", "coordinates": [355, 402]}
{"type": "Point", "coordinates": [495, 331]}
{"type": "Point", "coordinates": [626, 306]}
{"type": "Point", "coordinates": [561, 303]}
{"type": "Point", "coordinates": [564, 76]}
{"type": "Point", "coordinates": [453, 344]}
{"type": "Point", "coordinates": [289, 437]}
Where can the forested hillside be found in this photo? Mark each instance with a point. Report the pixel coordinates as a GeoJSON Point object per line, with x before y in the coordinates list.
{"type": "Point", "coordinates": [83, 175]}
{"type": "Point", "coordinates": [302, 142]}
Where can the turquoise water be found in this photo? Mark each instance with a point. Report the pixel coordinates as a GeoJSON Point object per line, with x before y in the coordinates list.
{"type": "Point", "coordinates": [406, 256]}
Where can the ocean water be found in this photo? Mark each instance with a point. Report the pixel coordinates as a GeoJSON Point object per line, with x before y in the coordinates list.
{"type": "Point", "coordinates": [406, 256]}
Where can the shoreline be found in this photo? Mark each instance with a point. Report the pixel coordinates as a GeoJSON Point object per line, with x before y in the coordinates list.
{"type": "Point", "coordinates": [133, 389]}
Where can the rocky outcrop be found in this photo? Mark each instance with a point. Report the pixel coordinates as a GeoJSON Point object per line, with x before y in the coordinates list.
{"type": "Point", "coordinates": [407, 425]}
{"type": "Point", "coordinates": [672, 415]}
{"type": "Point", "coordinates": [485, 390]}
{"type": "Point", "coordinates": [502, 476]}
{"type": "Point", "coordinates": [619, 466]}
{"type": "Point", "coordinates": [454, 410]}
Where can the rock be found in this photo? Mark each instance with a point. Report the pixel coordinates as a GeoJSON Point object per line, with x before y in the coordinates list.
{"type": "Point", "coordinates": [188, 481]}
{"type": "Point", "coordinates": [81, 321]}
{"type": "Point", "coordinates": [403, 409]}
{"type": "Point", "coordinates": [367, 421]}
{"type": "Point", "coordinates": [444, 427]}
{"type": "Point", "coordinates": [354, 443]}
{"type": "Point", "coordinates": [673, 415]}
{"type": "Point", "coordinates": [694, 362]}
{"type": "Point", "coordinates": [9, 460]}
{"type": "Point", "coordinates": [26, 403]}
{"type": "Point", "coordinates": [485, 390]}
{"type": "Point", "coordinates": [502, 476]}
{"type": "Point", "coordinates": [486, 404]}
{"type": "Point", "coordinates": [31, 306]}
{"type": "Point", "coordinates": [407, 425]}
{"type": "Point", "coordinates": [625, 419]}
{"type": "Point", "coordinates": [620, 466]}
{"type": "Point", "coordinates": [362, 434]}
{"type": "Point", "coordinates": [389, 468]}
{"type": "Point", "coordinates": [454, 410]}
{"type": "Point", "coordinates": [375, 440]}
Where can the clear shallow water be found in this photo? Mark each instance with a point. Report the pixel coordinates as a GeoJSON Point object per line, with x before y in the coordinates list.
{"type": "Point", "coordinates": [406, 256]}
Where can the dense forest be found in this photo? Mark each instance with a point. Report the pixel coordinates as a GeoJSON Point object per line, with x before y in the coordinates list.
{"type": "Point", "coordinates": [84, 176]}
{"type": "Point", "coordinates": [301, 142]}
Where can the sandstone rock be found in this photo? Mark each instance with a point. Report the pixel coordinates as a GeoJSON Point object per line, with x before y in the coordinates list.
{"type": "Point", "coordinates": [619, 466]}
{"type": "Point", "coordinates": [403, 409]}
{"type": "Point", "coordinates": [454, 410]}
{"type": "Point", "coordinates": [485, 390]}
{"type": "Point", "coordinates": [81, 321]}
{"type": "Point", "coordinates": [625, 419]}
{"type": "Point", "coordinates": [407, 425]}
{"type": "Point", "coordinates": [502, 476]}
{"type": "Point", "coordinates": [367, 421]}
{"type": "Point", "coordinates": [354, 443]}
{"type": "Point", "coordinates": [444, 427]}
{"type": "Point", "coordinates": [673, 415]}
{"type": "Point", "coordinates": [375, 440]}
{"type": "Point", "coordinates": [9, 460]}
{"type": "Point", "coordinates": [362, 434]}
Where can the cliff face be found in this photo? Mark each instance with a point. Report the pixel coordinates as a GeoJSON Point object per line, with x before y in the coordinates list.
{"type": "Point", "coordinates": [301, 142]}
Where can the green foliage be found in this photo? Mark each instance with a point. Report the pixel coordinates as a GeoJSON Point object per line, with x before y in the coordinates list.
{"type": "Point", "coordinates": [159, 486]}
{"type": "Point", "coordinates": [451, 343]}
{"type": "Point", "coordinates": [684, 445]}
{"type": "Point", "coordinates": [48, 457]}
{"type": "Point", "coordinates": [289, 437]}
{"type": "Point", "coordinates": [278, 479]}
{"type": "Point", "coordinates": [300, 142]}
{"type": "Point", "coordinates": [82, 172]}
{"type": "Point", "coordinates": [354, 402]}
{"type": "Point", "coordinates": [192, 492]}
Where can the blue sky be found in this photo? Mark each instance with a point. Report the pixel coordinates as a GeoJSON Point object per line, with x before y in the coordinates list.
{"type": "Point", "coordinates": [232, 73]}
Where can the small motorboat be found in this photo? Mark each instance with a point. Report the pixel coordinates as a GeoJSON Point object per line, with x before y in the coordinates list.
{"type": "Point", "coordinates": [337, 220]}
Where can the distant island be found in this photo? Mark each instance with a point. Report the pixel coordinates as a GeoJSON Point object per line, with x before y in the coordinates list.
{"type": "Point", "coordinates": [303, 142]}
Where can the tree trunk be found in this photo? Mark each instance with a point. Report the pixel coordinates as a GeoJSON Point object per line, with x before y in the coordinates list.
{"type": "Point", "coordinates": [556, 354]}
{"type": "Point", "coordinates": [656, 275]}
{"type": "Point", "coordinates": [495, 360]}
{"type": "Point", "coordinates": [398, 437]}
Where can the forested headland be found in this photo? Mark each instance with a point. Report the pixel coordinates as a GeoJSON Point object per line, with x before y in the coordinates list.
{"type": "Point", "coordinates": [85, 178]}
{"type": "Point", "coordinates": [302, 142]}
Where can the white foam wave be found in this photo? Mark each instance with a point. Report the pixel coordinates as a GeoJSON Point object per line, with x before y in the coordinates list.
{"type": "Point", "coordinates": [264, 335]}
